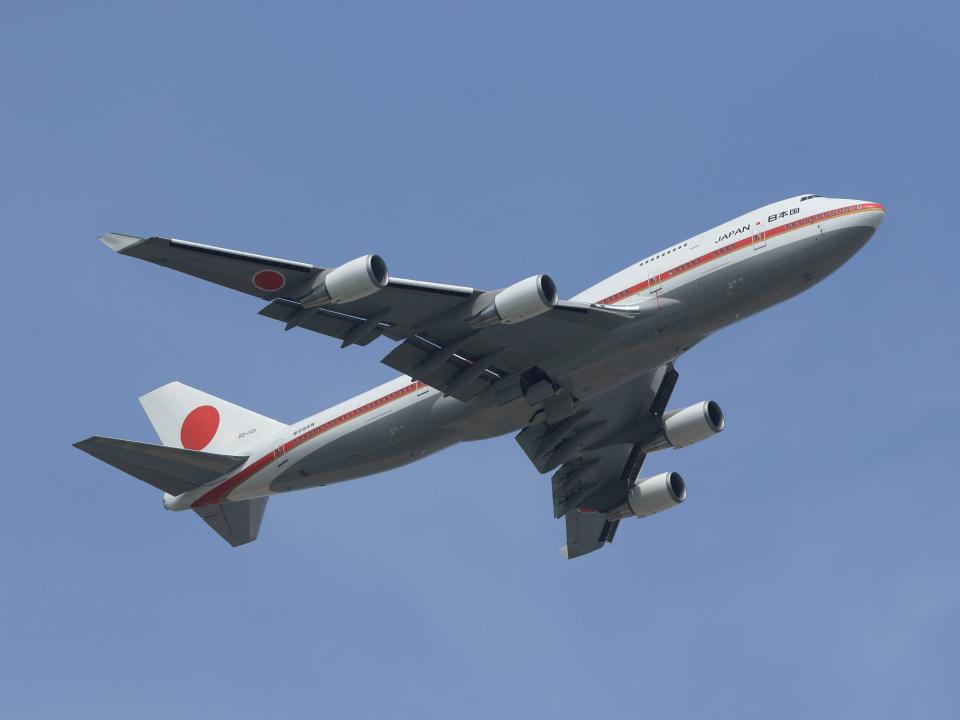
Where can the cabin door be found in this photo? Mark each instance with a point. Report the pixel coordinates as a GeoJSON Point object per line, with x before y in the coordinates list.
{"type": "Point", "coordinates": [759, 236]}
{"type": "Point", "coordinates": [279, 453]}
{"type": "Point", "coordinates": [654, 281]}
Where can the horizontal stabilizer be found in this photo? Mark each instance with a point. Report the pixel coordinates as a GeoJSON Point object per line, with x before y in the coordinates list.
{"type": "Point", "coordinates": [170, 469]}
{"type": "Point", "coordinates": [236, 522]}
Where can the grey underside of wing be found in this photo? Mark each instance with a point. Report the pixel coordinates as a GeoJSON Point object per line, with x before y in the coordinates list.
{"type": "Point", "coordinates": [436, 344]}
{"type": "Point", "coordinates": [505, 351]}
{"type": "Point", "coordinates": [170, 469]}
{"type": "Point", "coordinates": [236, 522]}
{"type": "Point", "coordinates": [624, 415]}
{"type": "Point", "coordinates": [597, 455]}
{"type": "Point", "coordinates": [229, 268]}
{"type": "Point", "coordinates": [587, 532]}
{"type": "Point", "coordinates": [602, 487]}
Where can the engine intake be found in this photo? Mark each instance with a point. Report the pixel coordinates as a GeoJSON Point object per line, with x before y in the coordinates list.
{"type": "Point", "coordinates": [521, 301]}
{"type": "Point", "coordinates": [687, 426]}
{"type": "Point", "coordinates": [351, 281]}
{"type": "Point", "coordinates": [651, 495]}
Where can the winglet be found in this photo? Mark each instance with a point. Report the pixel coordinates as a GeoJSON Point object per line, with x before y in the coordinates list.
{"type": "Point", "coordinates": [118, 243]}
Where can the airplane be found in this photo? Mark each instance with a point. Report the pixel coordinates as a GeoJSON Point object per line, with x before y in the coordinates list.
{"type": "Point", "coordinates": [585, 383]}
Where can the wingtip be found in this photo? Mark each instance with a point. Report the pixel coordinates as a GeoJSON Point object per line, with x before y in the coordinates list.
{"type": "Point", "coordinates": [118, 242]}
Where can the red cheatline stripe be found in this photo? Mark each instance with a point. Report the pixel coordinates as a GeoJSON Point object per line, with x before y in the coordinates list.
{"type": "Point", "coordinates": [654, 280]}
{"type": "Point", "coordinates": [220, 492]}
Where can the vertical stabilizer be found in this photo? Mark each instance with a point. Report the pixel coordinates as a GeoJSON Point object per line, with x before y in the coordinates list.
{"type": "Point", "coordinates": [185, 417]}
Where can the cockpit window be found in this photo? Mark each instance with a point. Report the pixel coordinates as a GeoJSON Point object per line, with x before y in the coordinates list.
{"type": "Point", "coordinates": [808, 197]}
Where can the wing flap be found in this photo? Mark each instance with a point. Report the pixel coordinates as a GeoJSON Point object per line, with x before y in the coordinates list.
{"type": "Point", "coordinates": [587, 532]}
{"type": "Point", "coordinates": [323, 321]}
{"type": "Point", "coordinates": [442, 368]}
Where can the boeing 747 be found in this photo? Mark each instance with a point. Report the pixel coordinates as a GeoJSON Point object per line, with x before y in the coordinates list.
{"type": "Point", "coordinates": [585, 383]}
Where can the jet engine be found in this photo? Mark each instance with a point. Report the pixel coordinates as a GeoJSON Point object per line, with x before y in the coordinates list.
{"type": "Point", "coordinates": [521, 301]}
{"type": "Point", "coordinates": [651, 495]}
{"type": "Point", "coordinates": [351, 281]}
{"type": "Point", "coordinates": [687, 426]}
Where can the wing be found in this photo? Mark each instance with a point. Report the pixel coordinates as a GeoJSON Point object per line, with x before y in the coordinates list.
{"type": "Point", "coordinates": [259, 275]}
{"type": "Point", "coordinates": [596, 454]}
{"type": "Point", "coordinates": [437, 344]}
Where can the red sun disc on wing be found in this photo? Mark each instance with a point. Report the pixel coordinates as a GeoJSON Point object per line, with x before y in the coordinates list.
{"type": "Point", "coordinates": [199, 427]}
{"type": "Point", "coordinates": [269, 280]}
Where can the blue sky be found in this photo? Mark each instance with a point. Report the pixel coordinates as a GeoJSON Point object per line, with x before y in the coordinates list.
{"type": "Point", "coordinates": [813, 570]}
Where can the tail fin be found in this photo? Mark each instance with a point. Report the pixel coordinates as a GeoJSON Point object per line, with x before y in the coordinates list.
{"type": "Point", "coordinates": [185, 417]}
{"type": "Point", "coordinates": [203, 439]}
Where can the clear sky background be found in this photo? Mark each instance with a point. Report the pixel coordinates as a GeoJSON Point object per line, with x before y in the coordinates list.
{"type": "Point", "coordinates": [813, 571]}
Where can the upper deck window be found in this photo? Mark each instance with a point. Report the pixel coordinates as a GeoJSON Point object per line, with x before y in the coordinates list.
{"type": "Point", "coordinates": [808, 197]}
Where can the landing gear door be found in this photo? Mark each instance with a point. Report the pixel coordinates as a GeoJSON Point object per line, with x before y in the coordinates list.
{"type": "Point", "coordinates": [279, 453]}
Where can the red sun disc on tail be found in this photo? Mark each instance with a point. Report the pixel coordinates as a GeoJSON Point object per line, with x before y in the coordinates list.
{"type": "Point", "coordinates": [269, 280]}
{"type": "Point", "coordinates": [199, 427]}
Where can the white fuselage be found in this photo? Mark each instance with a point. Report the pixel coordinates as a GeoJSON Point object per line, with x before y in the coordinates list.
{"type": "Point", "coordinates": [719, 276]}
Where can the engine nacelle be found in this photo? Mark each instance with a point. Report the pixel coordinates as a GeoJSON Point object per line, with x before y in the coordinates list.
{"type": "Point", "coordinates": [521, 301]}
{"type": "Point", "coordinates": [351, 281]}
{"type": "Point", "coordinates": [687, 426]}
{"type": "Point", "coordinates": [651, 495]}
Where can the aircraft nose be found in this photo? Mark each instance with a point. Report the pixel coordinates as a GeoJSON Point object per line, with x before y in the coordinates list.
{"type": "Point", "coordinates": [873, 214]}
